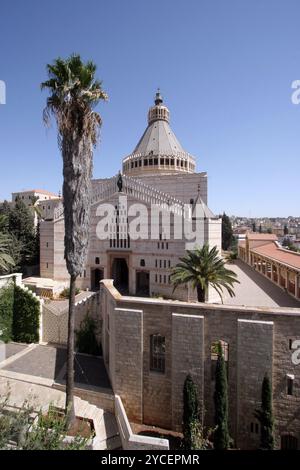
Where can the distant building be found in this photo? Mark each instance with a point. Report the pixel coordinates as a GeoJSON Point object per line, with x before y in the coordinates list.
{"type": "Point", "coordinates": [35, 197]}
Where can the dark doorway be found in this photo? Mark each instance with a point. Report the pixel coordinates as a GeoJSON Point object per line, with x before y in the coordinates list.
{"type": "Point", "coordinates": [289, 442]}
{"type": "Point", "coordinates": [120, 275]}
{"type": "Point", "coordinates": [142, 283]}
{"type": "Point", "coordinates": [96, 277]}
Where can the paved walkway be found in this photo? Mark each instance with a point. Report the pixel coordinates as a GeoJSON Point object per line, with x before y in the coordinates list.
{"type": "Point", "coordinates": [255, 290]}
{"type": "Point", "coordinates": [49, 362]}
{"type": "Point", "coordinates": [28, 373]}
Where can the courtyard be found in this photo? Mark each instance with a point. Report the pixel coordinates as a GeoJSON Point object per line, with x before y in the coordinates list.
{"type": "Point", "coordinates": [256, 290]}
{"type": "Point", "coordinates": [35, 374]}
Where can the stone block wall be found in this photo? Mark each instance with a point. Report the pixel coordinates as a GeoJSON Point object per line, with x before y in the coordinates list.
{"type": "Point", "coordinates": [186, 330]}
{"type": "Point", "coordinates": [255, 360]}
{"type": "Point", "coordinates": [258, 343]}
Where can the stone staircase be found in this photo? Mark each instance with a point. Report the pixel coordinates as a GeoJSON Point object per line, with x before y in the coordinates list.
{"type": "Point", "coordinates": [107, 434]}
{"type": "Point", "coordinates": [19, 388]}
{"type": "Point", "coordinates": [136, 188]}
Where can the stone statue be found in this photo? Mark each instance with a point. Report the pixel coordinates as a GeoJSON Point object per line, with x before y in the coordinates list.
{"type": "Point", "coordinates": [120, 183]}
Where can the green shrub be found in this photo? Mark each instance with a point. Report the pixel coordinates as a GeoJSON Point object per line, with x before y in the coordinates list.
{"type": "Point", "coordinates": [18, 432]}
{"type": "Point", "coordinates": [66, 292]}
{"type": "Point", "coordinates": [26, 318]}
{"type": "Point", "coordinates": [6, 312]}
{"type": "Point", "coordinates": [86, 339]}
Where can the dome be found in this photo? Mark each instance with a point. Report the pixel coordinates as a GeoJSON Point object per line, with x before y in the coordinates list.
{"type": "Point", "coordinates": [158, 150]}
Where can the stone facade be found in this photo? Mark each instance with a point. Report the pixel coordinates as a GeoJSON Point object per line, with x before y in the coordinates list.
{"type": "Point", "coordinates": [161, 176]}
{"type": "Point", "coordinates": [258, 342]}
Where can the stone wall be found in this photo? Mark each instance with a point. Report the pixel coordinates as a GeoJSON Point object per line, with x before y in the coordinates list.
{"type": "Point", "coordinates": [131, 441]}
{"type": "Point", "coordinates": [55, 320]}
{"type": "Point", "coordinates": [8, 278]}
{"type": "Point", "coordinates": [258, 343]}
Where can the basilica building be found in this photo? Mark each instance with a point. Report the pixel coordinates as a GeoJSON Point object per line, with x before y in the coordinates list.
{"type": "Point", "coordinates": [160, 175]}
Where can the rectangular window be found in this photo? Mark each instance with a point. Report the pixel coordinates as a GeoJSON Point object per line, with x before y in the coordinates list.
{"type": "Point", "coordinates": [169, 263]}
{"type": "Point", "coordinates": [160, 263]}
{"type": "Point", "coordinates": [156, 263]}
{"type": "Point", "coordinates": [289, 386]}
{"type": "Point", "coordinates": [157, 353]}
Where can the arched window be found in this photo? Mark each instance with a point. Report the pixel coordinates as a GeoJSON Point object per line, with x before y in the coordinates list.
{"type": "Point", "coordinates": [142, 262]}
{"type": "Point", "coordinates": [157, 353]}
{"type": "Point", "coordinates": [97, 260]}
{"type": "Point", "coordinates": [289, 442]}
{"type": "Point", "coordinates": [214, 356]}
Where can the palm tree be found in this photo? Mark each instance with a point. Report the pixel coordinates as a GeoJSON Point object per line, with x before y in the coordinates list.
{"type": "Point", "coordinates": [202, 268]}
{"type": "Point", "coordinates": [6, 261]}
{"type": "Point", "coordinates": [73, 94]}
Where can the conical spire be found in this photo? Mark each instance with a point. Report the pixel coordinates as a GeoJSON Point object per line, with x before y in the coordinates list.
{"type": "Point", "coordinates": [158, 150]}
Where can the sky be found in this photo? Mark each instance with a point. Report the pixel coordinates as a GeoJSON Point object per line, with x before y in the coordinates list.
{"type": "Point", "coordinates": [225, 70]}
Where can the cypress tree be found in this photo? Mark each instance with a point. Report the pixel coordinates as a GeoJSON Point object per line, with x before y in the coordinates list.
{"type": "Point", "coordinates": [265, 416]}
{"type": "Point", "coordinates": [190, 410]}
{"type": "Point", "coordinates": [221, 434]}
{"type": "Point", "coordinates": [227, 232]}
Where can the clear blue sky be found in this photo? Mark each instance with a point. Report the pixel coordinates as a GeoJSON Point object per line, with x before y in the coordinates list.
{"type": "Point", "coordinates": [224, 68]}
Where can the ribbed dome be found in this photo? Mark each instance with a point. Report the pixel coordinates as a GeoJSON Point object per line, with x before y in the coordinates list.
{"type": "Point", "coordinates": [159, 139]}
{"type": "Point", "coordinates": [158, 150]}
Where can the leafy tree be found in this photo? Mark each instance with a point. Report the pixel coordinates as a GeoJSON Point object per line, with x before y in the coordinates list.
{"type": "Point", "coordinates": [265, 416]}
{"type": "Point", "coordinates": [6, 260]}
{"type": "Point", "coordinates": [285, 230]}
{"type": "Point", "coordinates": [203, 267]}
{"type": "Point", "coordinates": [18, 224]}
{"type": "Point", "coordinates": [260, 228]}
{"type": "Point", "coordinates": [73, 94]}
{"type": "Point", "coordinates": [254, 227]}
{"type": "Point", "coordinates": [227, 232]}
{"type": "Point", "coordinates": [221, 433]}
{"type": "Point", "coordinates": [198, 440]}
{"type": "Point", "coordinates": [47, 433]}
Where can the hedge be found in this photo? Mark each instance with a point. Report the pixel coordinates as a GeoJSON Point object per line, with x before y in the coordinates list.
{"type": "Point", "coordinates": [6, 312]}
{"type": "Point", "coordinates": [19, 315]}
{"type": "Point", "coordinates": [26, 318]}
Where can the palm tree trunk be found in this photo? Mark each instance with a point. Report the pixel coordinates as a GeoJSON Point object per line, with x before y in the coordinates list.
{"type": "Point", "coordinates": [200, 294]}
{"type": "Point", "coordinates": [70, 411]}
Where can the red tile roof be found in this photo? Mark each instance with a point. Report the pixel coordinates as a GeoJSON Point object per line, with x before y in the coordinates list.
{"type": "Point", "coordinates": [271, 250]}
{"type": "Point", "coordinates": [261, 236]}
